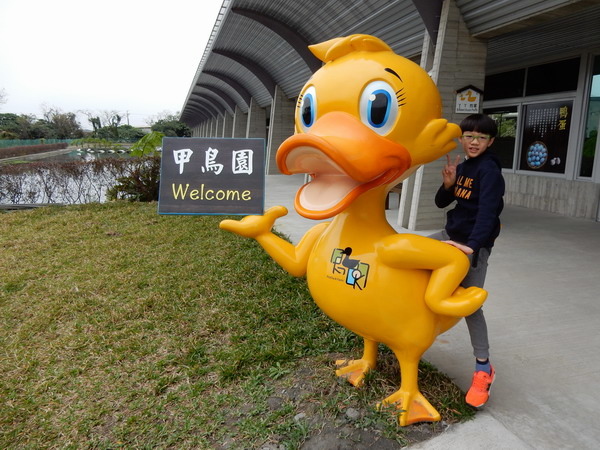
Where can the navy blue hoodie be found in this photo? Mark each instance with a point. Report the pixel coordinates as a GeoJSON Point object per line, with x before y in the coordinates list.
{"type": "Point", "coordinates": [478, 192]}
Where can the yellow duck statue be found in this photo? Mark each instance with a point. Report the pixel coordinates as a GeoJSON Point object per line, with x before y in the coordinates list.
{"type": "Point", "coordinates": [366, 120]}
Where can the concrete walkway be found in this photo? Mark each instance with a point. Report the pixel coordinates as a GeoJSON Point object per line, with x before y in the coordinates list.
{"type": "Point", "coordinates": [543, 315]}
{"type": "Point", "coordinates": [38, 156]}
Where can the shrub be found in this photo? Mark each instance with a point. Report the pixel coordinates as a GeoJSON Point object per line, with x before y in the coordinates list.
{"type": "Point", "coordinates": [140, 183]}
{"type": "Point", "coordinates": [72, 182]}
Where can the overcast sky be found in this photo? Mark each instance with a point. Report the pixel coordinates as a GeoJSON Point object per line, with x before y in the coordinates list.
{"type": "Point", "coordinates": [131, 56]}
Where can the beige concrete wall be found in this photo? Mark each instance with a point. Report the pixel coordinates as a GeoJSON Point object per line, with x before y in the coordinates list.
{"type": "Point", "coordinates": [281, 126]}
{"type": "Point", "coordinates": [240, 121]}
{"type": "Point", "coordinates": [461, 63]}
{"type": "Point", "coordinates": [228, 125]}
{"type": "Point", "coordinates": [566, 197]}
{"type": "Point", "coordinates": [219, 126]}
{"type": "Point", "coordinates": [257, 121]}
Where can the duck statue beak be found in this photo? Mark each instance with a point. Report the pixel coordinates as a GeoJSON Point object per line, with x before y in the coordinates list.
{"type": "Point", "coordinates": [345, 159]}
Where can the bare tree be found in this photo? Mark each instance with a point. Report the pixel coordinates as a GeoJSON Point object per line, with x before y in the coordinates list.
{"type": "Point", "coordinates": [93, 118]}
{"type": "Point", "coordinates": [111, 118]}
{"type": "Point", "coordinates": [3, 96]}
{"type": "Point", "coordinates": [48, 112]}
{"type": "Point", "coordinates": [165, 115]}
{"type": "Point", "coordinates": [65, 125]}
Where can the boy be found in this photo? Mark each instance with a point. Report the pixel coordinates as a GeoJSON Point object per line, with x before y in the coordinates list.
{"type": "Point", "coordinates": [472, 226]}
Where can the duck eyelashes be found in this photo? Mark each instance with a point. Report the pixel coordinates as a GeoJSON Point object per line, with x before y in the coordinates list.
{"type": "Point", "coordinates": [300, 97]}
{"type": "Point", "coordinates": [401, 97]}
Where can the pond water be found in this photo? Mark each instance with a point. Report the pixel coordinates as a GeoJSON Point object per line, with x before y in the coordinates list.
{"type": "Point", "coordinates": [79, 154]}
{"type": "Point", "coordinates": [81, 184]}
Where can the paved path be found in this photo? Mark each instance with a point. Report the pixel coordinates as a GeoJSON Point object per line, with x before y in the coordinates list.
{"type": "Point", "coordinates": [40, 155]}
{"type": "Point", "coordinates": [543, 317]}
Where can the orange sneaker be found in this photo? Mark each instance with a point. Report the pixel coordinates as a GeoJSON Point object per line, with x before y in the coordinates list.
{"type": "Point", "coordinates": [479, 393]}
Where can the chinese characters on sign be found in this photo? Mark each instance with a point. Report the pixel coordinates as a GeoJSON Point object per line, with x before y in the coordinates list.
{"type": "Point", "coordinates": [241, 161]}
{"type": "Point", "coordinates": [468, 100]}
{"type": "Point", "coordinates": [545, 136]}
{"type": "Point", "coordinates": [212, 176]}
{"type": "Point", "coordinates": [181, 157]}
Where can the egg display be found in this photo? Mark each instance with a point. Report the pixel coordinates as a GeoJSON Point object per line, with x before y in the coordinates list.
{"type": "Point", "coordinates": [537, 155]}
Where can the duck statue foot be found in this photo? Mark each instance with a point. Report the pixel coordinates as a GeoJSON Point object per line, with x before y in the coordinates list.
{"type": "Point", "coordinates": [353, 370]}
{"type": "Point", "coordinates": [413, 407]}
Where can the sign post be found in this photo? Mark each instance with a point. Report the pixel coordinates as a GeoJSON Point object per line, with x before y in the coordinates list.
{"type": "Point", "coordinates": [212, 176]}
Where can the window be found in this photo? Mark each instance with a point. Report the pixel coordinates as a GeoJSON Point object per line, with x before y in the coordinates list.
{"type": "Point", "coordinates": [543, 125]}
{"type": "Point", "coordinates": [505, 85]}
{"type": "Point", "coordinates": [554, 77]}
{"type": "Point", "coordinates": [504, 145]}
{"type": "Point", "coordinates": [592, 122]}
{"type": "Point", "coordinates": [548, 78]}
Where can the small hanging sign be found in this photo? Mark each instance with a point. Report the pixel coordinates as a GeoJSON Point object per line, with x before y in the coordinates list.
{"type": "Point", "coordinates": [468, 100]}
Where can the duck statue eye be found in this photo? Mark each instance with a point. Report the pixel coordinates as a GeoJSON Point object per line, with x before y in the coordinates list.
{"type": "Point", "coordinates": [307, 108]}
{"type": "Point", "coordinates": [378, 107]}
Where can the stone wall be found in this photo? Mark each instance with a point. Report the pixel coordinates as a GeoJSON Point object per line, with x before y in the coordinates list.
{"type": "Point", "coordinates": [566, 197]}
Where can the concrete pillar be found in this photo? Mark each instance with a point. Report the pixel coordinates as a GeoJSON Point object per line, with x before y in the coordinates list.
{"type": "Point", "coordinates": [219, 126]}
{"type": "Point", "coordinates": [240, 121]}
{"type": "Point", "coordinates": [281, 126]}
{"type": "Point", "coordinates": [459, 61]}
{"type": "Point", "coordinates": [227, 125]}
{"type": "Point", "coordinates": [257, 121]}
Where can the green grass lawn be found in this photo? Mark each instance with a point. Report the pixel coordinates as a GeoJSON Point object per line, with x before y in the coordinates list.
{"type": "Point", "coordinates": [123, 328]}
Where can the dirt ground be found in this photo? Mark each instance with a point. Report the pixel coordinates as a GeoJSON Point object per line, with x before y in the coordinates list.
{"type": "Point", "coordinates": [353, 427]}
{"type": "Point", "coordinates": [349, 421]}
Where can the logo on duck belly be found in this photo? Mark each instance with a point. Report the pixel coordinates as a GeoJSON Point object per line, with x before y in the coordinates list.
{"type": "Point", "coordinates": [353, 272]}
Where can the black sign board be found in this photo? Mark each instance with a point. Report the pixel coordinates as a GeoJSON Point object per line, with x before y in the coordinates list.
{"type": "Point", "coordinates": [545, 141]}
{"type": "Point", "coordinates": [212, 176]}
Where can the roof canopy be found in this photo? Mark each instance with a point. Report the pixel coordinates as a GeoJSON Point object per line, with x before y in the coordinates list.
{"type": "Point", "coordinates": [258, 44]}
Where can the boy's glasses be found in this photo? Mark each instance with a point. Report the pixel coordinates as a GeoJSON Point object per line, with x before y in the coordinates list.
{"type": "Point", "coordinates": [471, 137]}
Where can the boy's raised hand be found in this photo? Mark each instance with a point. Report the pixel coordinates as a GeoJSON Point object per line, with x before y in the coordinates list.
{"type": "Point", "coordinates": [449, 171]}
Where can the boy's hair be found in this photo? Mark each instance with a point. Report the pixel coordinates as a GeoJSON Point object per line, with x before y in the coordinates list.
{"type": "Point", "coordinates": [480, 123]}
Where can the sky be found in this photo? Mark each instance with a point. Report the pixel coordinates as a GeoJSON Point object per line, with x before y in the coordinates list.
{"type": "Point", "coordinates": [135, 57]}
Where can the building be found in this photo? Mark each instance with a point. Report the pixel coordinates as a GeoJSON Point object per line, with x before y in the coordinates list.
{"type": "Point", "coordinates": [534, 65]}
